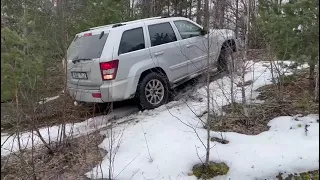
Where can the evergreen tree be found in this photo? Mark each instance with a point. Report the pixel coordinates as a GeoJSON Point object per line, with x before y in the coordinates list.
{"type": "Point", "coordinates": [292, 29]}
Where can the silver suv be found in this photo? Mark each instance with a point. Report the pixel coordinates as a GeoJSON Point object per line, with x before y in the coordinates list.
{"type": "Point", "coordinates": [143, 59]}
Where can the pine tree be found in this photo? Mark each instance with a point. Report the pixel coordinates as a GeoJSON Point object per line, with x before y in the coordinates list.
{"type": "Point", "coordinates": [292, 30]}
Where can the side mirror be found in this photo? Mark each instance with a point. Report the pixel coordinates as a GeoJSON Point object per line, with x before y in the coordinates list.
{"type": "Point", "coordinates": [203, 32]}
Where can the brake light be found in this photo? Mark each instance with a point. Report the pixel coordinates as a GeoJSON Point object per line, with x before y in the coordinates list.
{"type": "Point", "coordinates": [109, 70]}
{"type": "Point", "coordinates": [88, 34]}
{"type": "Point", "coordinates": [96, 95]}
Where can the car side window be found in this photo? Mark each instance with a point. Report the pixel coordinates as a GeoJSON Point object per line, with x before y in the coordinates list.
{"type": "Point", "coordinates": [131, 40]}
{"type": "Point", "coordinates": [187, 29]}
{"type": "Point", "coordinates": [161, 34]}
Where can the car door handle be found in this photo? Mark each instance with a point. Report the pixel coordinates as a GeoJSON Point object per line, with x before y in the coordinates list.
{"type": "Point", "coordinates": [189, 45]}
{"type": "Point", "coordinates": [158, 53]}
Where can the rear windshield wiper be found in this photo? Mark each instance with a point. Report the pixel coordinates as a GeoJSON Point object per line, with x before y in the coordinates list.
{"type": "Point", "coordinates": [81, 59]}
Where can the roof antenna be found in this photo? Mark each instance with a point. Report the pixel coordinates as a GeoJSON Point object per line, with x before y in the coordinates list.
{"type": "Point", "coordinates": [102, 33]}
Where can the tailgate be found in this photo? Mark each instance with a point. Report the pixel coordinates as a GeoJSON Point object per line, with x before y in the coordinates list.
{"type": "Point", "coordinates": [83, 64]}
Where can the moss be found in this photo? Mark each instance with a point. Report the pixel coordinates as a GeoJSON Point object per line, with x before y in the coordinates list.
{"type": "Point", "coordinates": [210, 170]}
{"type": "Point", "coordinates": [302, 104]}
{"type": "Point", "coordinates": [219, 168]}
{"type": "Point", "coordinates": [305, 176]}
{"type": "Point", "coordinates": [310, 175]}
{"type": "Point", "coordinates": [316, 176]}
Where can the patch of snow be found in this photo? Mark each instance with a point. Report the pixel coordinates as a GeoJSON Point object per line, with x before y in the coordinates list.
{"type": "Point", "coordinates": [48, 99]}
{"type": "Point", "coordinates": [4, 134]}
{"type": "Point", "coordinates": [221, 88]}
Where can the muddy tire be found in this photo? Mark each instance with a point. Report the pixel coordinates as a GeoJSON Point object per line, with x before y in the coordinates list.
{"type": "Point", "coordinates": [153, 91]}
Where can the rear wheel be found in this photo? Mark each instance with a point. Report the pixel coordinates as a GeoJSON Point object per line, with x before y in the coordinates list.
{"type": "Point", "coordinates": [153, 91]}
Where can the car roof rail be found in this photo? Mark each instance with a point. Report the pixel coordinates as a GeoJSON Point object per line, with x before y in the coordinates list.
{"type": "Point", "coordinates": [117, 25]}
{"type": "Point", "coordinates": [128, 22]}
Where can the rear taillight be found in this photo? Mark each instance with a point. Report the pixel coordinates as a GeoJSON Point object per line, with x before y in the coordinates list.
{"type": "Point", "coordinates": [96, 95]}
{"type": "Point", "coordinates": [109, 70]}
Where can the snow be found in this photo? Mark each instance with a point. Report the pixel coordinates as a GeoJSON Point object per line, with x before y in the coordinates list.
{"type": "Point", "coordinates": [48, 99]}
{"type": "Point", "coordinates": [9, 143]}
{"type": "Point", "coordinates": [173, 134]}
{"type": "Point", "coordinates": [166, 138]}
{"type": "Point", "coordinates": [281, 149]}
{"type": "Point", "coordinates": [174, 146]}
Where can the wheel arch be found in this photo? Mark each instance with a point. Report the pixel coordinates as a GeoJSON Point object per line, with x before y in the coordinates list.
{"type": "Point", "coordinates": [230, 43]}
{"type": "Point", "coordinates": [158, 70]}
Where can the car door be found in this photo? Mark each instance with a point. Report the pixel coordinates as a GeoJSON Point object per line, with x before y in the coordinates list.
{"type": "Point", "coordinates": [195, 45]}
{"type": "Point", "coordinates": [133, 52]}
{"type": "Point", "coordinates": [165, 49]}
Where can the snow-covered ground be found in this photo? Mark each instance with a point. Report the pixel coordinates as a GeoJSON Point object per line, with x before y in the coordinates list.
{"type": "Point", "coordinates": [166, 142]}
{"type": "Point", "coordinates": [175, 148]}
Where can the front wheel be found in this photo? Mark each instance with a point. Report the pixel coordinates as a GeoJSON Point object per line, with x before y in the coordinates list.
{"type": "Point", "coordinates": [153, 91]}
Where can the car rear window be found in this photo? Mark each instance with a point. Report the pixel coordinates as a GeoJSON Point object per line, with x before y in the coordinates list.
{"type": "Point", "coordinates": [87, 47]}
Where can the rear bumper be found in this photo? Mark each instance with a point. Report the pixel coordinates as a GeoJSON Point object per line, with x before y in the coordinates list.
{"type": "Point", "coordinates": [84, 95]}
{"type": "Point", "coordinates": [110, 92]}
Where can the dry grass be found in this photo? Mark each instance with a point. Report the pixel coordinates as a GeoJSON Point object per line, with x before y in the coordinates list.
{"type": "Point", "coordinates": [257, 55]}
{"type": "Point", "coordinates": [48, 114]}
{"type": "Point", "coordinates": [79, 156]}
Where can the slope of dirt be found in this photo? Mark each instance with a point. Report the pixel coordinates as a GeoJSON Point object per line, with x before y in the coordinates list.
{"type": "Point", "coordinates": [51, 113]}
{"type": "Point", "coordinates": [78, 156]}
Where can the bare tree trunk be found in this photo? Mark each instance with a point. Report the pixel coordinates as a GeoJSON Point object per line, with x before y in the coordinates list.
{"type": "Point", "coordinates": [206, 17]}
{"type": "Point", "coordinates": [316, 91]}
{"type": "Point", "coordinates": [246, 50]}
{"type": "Point", "coordinates": [198, 20]}
{"type": "Point", "coordinates": [311, 74]}
{"type": "Point", "coordinates": [168, 5]}
{"type": "Point", "coordinates": [25, 27]}
{"type": "Point", "coordinates": [175, 6]}
{"type": "Point", "coordinates": [245, 57]}
{"type": "Point", "coordinates": [190, 8]}
{"type": "Point", "coordinates": [216, 15]}
{"type": "Point", "coordinates": [270, 57]}
{"type": "Point", "coordinates": [132, 8]}
{"type": "Point", "coordinates": [181, 3]}
{"type": "Point", "coordinates": [222, 7]}
{"type": "Point", "coordinates": [61, 10]}
{"type": "Point", "coordinates": [146, 8]}
{"type": "Point", "coordinates": [208, 82]}
{"type": "Point", "coordinates": [186, 7]}
{"type": "Point", "coordinates": [237, 19]}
